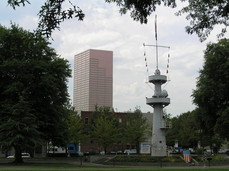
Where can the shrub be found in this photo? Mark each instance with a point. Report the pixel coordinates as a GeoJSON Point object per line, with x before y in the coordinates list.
{"type": "Point", "coordinates": [146, 159]}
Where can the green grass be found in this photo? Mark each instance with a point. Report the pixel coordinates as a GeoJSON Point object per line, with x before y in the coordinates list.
{"type": "Point", "coordinates": [102, 169]}
{"type": "Point", "coordinates": [76, 167]}
{"type": "Point", "coordinates": [73, 164]}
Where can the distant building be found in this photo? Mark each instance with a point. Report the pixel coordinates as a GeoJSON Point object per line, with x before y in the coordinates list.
{"type": "Point", "coordinates": [93, 80]}
{"type": "Point", "coordinates": [92, 147]}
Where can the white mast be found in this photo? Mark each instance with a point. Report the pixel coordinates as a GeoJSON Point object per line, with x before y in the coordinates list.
{"type": "Point", "coordinates": [158, 101]}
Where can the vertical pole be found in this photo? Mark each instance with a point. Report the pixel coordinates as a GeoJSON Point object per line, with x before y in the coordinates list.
{"type": "Point", "coordinates": [81, 160]}
{"type": "Point", "coordinates": [156, 54]}
{"type": "Point", "coordinates": [161, 162]}
{"type": "Point", "coordinates": [156, 41]}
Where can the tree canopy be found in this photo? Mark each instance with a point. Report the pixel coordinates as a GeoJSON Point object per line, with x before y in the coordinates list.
{"type": "Point", "coordinates": [203, 15]}
{"type": "Point", "coordinates": [52, 13]}
{"type": "Point", "coordinates": [105, 127]}
{"type": "Point", "coordinates": [141, 10]}
{"type": "Point", "coordinates": [33, 90]}
{"type": "Point", "coordinates": [188, 131]}
{"type": "Point", "coordinates": [136, 129]}
{"type": "Point", "coordinates": [211, 94]}
{"type": "Point", "coordinates": [76, 132]}
{"type": "Point", "coordinates": [185, 130]}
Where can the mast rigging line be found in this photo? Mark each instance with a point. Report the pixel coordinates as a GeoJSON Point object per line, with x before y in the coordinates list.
{"type": "Point", "coordinates": [157, 46]}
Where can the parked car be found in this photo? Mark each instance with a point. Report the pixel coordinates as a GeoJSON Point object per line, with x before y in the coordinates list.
{"type": "Point", "coordinates": [116, 152]}
{"type": "Point", "coordinates": [132, 151]}
{"type": "Point", "coordinates": [23, 155]}
{"type": "Point", "coordinates": [223, 151]}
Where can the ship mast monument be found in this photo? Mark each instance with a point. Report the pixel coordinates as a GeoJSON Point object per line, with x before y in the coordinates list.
{"type": "Point", "coordinates": [158, 101]}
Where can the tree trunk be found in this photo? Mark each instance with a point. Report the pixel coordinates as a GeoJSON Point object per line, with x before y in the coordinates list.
{"type": "Point", "coordinates": [105, 149]}
{"type": "Point", "coordinates": [18, 157]}
{"type": "Point", "coordinates": [137, 144]}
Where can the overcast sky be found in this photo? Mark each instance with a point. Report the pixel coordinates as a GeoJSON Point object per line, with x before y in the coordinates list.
{"type": "Point", "coordinates": [104, 28]}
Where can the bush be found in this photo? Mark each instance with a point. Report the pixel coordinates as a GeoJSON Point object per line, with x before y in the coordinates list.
{"type": "Point", "coordinates": [219, 158]}
{"type": "Point", "coordinates": [145, 159]}
{"type": "Point", "coordinates": [199, 151]}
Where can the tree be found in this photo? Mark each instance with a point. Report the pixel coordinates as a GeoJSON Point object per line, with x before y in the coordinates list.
{"type": "Point", "coordinates": [75, 128]}
{"type": "Point", "coordinates": [140, 10]}
{"type": "Point", "coordinates": [211, 94]}
{"type": "Point", "coordinates": [188, 134]}
{"type": "Point", "coordinates": [136, 129]}
{"type": "Point", "coordinates": [188, 130]}
{"type": "Point", "coordinates": [105, 127]}
{"type": "Point", "coordinates": [18, 127]}
{"type": "Point", "coordinates": [102, 110]}
{"type": "Point", "coordinates": [51, 14]}
{"type": "Point", "coordinates": [222, 123]}
{"type": "Point", "coordinates": [33, 91]}
{"type": "Point", "coordinates": [184, 129]}
{"type": "Point", "coordinates": [203, 15]}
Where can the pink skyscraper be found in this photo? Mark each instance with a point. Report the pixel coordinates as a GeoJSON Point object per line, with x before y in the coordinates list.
{"type": "Point", "coordinates": [93, 80]}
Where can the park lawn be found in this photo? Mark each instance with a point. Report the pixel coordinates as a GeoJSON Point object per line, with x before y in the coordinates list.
{"type": "Point", "coordinates": [111, 169]}
{"type": "Point", "coordinates": [76, 167]}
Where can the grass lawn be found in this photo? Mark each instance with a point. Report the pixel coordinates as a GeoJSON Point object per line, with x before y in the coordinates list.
{"type": "Point", "coordinates": [71, 167]}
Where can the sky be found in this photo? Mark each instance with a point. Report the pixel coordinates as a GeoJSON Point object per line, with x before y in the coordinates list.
{"type": "Point", "coordinates": [105, 28]}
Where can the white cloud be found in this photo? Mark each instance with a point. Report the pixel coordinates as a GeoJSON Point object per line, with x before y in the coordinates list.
{"type": "Point", "coordinates": [104, 28]}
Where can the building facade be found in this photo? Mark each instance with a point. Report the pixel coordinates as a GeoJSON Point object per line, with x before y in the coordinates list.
{"type": "Point", "coordinates": [90, 146]}
{"type": "Point", "coordinates": [93, 80]}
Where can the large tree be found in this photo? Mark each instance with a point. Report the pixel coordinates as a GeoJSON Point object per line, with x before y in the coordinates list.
{"type": "Point", "coordinates": [203, 14]}
{"type": "Point", "coordinates": [211, 94]}
{"type": "Point", "coordinates": [185, 130]}
{"type": "Point", "coordinates": [33, 91]}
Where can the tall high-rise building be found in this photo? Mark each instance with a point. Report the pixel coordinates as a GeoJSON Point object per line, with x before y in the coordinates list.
{"type": "Point", "coordinates": [93, 80]}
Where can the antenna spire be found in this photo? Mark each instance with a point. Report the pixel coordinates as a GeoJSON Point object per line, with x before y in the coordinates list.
{"type": "Point", "coordinates": [156, 45]}
{"type": "Point", "coordinates": [156, 41]}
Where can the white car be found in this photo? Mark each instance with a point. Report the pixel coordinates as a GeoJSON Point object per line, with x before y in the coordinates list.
{"type": "Point", "coordinates": [132, 151]}
{"type": "Point", "coordinates": [23, 155]}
